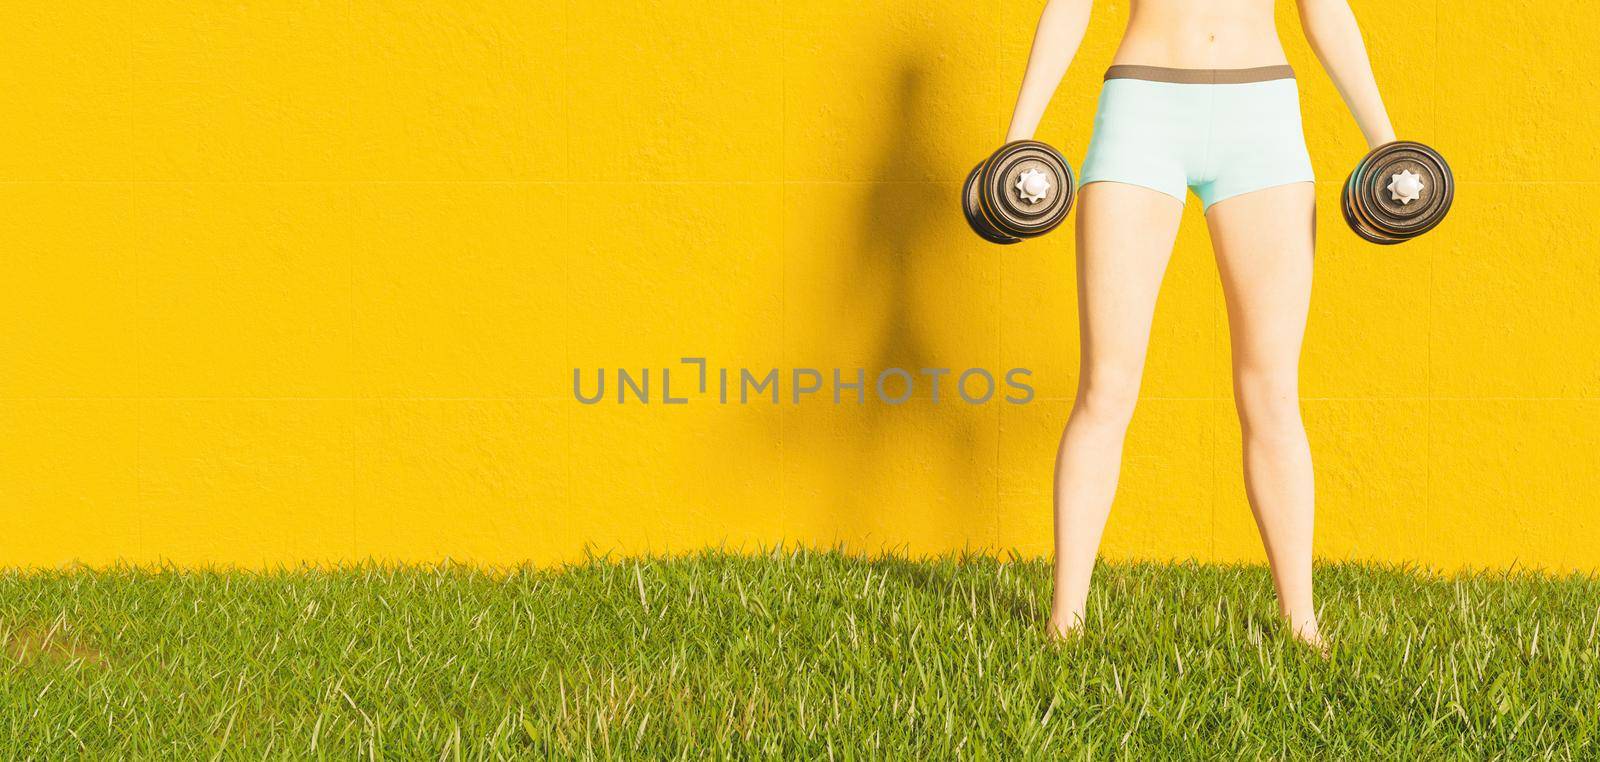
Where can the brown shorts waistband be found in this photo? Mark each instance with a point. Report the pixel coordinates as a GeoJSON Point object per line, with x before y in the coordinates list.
{"type": "Point", "coordinates": [1200, 76]}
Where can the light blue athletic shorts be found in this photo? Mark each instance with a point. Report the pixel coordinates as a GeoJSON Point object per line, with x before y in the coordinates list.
{"type": "Point", "coordinates": [1221, 132]}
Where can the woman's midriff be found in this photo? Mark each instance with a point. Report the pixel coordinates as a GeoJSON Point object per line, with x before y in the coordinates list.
{"type": "Point", "coordinates": [1201, 34]}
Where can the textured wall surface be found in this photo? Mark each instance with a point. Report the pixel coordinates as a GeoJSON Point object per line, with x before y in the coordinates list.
{"type": "Point", "coordinates": [307, 281]}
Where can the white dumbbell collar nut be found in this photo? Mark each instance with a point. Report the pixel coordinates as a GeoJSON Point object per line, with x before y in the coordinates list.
{"type": "Point", "coordinates": [1405, 187]}
{"type": "Point", "coordinates": [1033, 185]}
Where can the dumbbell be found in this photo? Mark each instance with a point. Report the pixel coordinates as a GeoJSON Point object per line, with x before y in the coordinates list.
{"type": "Point", "coordinates": [1397, 192]}
{"type": "Point", "coordinates": [1023, 190]}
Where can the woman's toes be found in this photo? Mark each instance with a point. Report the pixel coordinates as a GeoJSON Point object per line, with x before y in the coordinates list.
{"type": "Point", "coordinates": [1062, 630]}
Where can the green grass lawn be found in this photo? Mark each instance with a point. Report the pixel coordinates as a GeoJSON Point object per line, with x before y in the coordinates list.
{"type": "Point", "coordinates": [800, 655]}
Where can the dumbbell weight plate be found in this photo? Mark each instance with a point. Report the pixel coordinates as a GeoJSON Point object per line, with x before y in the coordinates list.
{"type": "Point", "coordinates": [1353, 215]}
{"type": "Point", "coordinates": [1408, 220]}
{"type": "Point", "coordinates": [973, 210]}
{"type": "Point", "coordinates": [1378, 214]}
{"type": "Point", "coordinates": [1347, 206]}
{"type": "Point", "coordinates": [1008, 207]}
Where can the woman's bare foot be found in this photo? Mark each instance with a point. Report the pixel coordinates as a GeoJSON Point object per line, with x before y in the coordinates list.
{"type": "Point", "coordinates": [1309, 636]}
{"type": "Point", "coordinates": [1065, 627]}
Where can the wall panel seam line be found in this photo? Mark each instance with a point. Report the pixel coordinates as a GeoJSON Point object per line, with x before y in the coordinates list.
{"type": "Point", "coordinates": [783, 253]}
{"type": "Point", "coordinates": [1428, 522]}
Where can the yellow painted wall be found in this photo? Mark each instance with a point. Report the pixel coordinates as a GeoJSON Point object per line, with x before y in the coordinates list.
{"type": "Point", "coordinates": [306, 281]}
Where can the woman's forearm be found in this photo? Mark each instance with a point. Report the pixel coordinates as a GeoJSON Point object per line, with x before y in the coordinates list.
{"type": "Point", "coordinates": [1055, 42]}
{"type": "Point", "coordinates": [1331, 29]}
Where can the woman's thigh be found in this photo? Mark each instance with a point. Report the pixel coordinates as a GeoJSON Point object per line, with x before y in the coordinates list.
{"type": "Point", "coordinates": [1264, 242]}
{"type": "Point", "coordinates": [1125, 235]}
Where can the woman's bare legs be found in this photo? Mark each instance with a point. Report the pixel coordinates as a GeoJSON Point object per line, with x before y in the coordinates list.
{"type": "Point", "coordinates": [1125, 236]}
{"type": "Point", "coordinates": [1263, 242]}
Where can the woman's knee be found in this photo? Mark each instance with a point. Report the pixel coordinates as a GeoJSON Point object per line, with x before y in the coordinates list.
{"type": "Point", "coordinates": [1108, 398]}
{"type": "Point", "coordinates": [1268, 402]}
